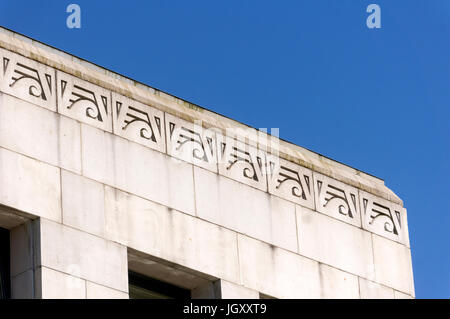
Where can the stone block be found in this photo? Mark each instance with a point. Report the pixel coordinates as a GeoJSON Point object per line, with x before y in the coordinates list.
{"type": "Point", "coordinates": [335, 243]}
{"type": "Point", "coordinates": [84, 101]}
{"type": "Point", "coordinates": [29, 185]}
{"type": "Point", "coordinates": [241, 162]}
{"type": "Point", "coordinates": [27, 79]}
{"type": "Point", "coordinates": [39, 133]}
{"type": "Point", "coordinates": [371, 290]}
{"type": "Point", "coordinates": [137, 169]}
{"type": "Point", "coordinates": [384, 218]}
{"type": "Point", "coordinates": [245, 209]}
{"type": "Point", "coordinates": [83, 255]}
{"type": "Point", "coordinates": [277, 272]}
{"type": "Point", "coordinates": [95, 291]}
{"type": "Point", "coordinates": [290, 181]}
{"type": "Point", "coordinates": [170, 235]}
{"type": "Point", "coordinates": [229, 290]}
{"type": "Point", "coordinates": [138, 122]}
{"type": "Point", "coordinates": [69, 145]}
{"type": "Point", "coordinates": [83, 202]}
{"type": "Point", "coordinates": [337, 284]}
{"type": "Point", "coordinates": [337, 199]}
{"type": "Point", "coordinates": [401, 295]}
{"type": "Point", "coordinates": [191, 142]}
{"type": "Point", "coordinates": [393, 266]}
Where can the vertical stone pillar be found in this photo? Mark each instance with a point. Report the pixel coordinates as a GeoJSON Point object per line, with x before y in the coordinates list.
{"type": "Point", "coordinates": [50, 260]}
{"type": "Point", "coordinates": [24, 259]}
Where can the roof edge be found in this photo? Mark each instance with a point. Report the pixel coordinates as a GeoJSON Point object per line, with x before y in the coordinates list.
{"type": "Point", "coordinates": [171, 104]}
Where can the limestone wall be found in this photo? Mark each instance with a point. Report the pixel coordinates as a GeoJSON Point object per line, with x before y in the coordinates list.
{"type": "Point", "coordinates": [99, 174]}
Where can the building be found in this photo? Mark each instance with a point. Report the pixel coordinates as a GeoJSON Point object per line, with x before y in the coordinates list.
{"type": "Point", "coordinates": [112, 189]}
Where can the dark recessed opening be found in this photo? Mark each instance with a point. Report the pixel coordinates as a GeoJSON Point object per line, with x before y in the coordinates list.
{"type": "Point", "coordinates": [143, 287]}
{"type": "Point", "coordinates": [5, 281]}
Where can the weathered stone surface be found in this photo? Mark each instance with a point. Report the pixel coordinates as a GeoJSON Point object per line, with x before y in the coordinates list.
{"type": "Point", "coordinates": [241, 162]}
{"type": "Point", "coordinates": [95, 291]}
{"type": "Point", "coordinates": [83, 203]}
{"type": "Point", "coordinates": [176, 237]}
{"type": "Point", "coordinates": [27, 79]}
{"type": "Point", "coordinates": [384, 218]}
{"type": "Point", "coordinates": [371, 290]}
{"type": "Point", "coordinates": [29, 185]}
{"type": "Point", "coordinates": [245, 209]}
{"type": "Point", "coordinates": [334, 242]}
{"type": "Point", "coordinates": [192, 143]}
{"type": "Point", "coordinates": [393, 266]}
{"type": "Point", "coordinates": [84, 101]}
{"type": "Point", "coordinates": [137, 169]}
{"type": "Point", "coordinates": [54, 284]}
{"type": "Point", "coordinates": [229, 290]}
{"type": "Point", "coordinates": [138, 122]}
{"type": "Point", "coordinates": [337, 284]}
{"type": "Point", "coordinates": [39, 133]}
{"type": "Point", "coordinates": [82, 255]}
{"type": "Point", "coordinates": [401, 295]}
{"type": "Point", "coordinates": [277, 272]}
{"type": "Point", "coordinates": [290, 181]}
{"type": "Point", "coordinates": [337, 199]}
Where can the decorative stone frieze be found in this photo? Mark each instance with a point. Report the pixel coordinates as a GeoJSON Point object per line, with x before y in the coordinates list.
{"type": "Point", "coordinates": [84, 101]}
{"type": "Point", "coordinates": [241, 162]}
{"type": "Point", "coordinates": [383, 217]}
{"type": "Point", "coordinates": [337, 199]}
{"type": "Point", "coordinates": [192, 143]}
{"type": "Point", "coordinates": [27, 79]}
{"type": "Point", "coordinates": [225, 154]}
{"type": "Point", "coordinates": [115, 176]}
{"type": "Point", "coordinates": [290, 181]}
{"type": "Point", "coordinates": [138, 122]}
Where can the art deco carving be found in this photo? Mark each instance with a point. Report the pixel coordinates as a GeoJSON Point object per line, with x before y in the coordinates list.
{"type": "Point", "coordinates": [191, 142]}
{"type": "Point", "coordinates": [337, 199]}
{"type": "Point", "coordinates": [138, 122]}
{"type": "Point", "coordinates": [383, 217]}
{"type": "Point", "coordinates": [241, 162]}
{"type": "Point", "coordinates": [27, 79]}
{"type": "Point", "coordinates": [39, 84]}
{"type": "Point", "coordinates": [290, 181]}
{"type": "Point", "coordinates": [84, 101]}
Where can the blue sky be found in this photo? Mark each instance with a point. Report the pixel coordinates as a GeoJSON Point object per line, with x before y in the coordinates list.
{"type": "Point", "coordinates": [375, 99]}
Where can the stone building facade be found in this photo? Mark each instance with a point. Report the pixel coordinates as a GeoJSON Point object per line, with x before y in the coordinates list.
{"type": "Point", "coordinates": [103, 179]}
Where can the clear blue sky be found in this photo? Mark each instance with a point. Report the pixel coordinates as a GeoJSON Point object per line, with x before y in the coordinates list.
{"type": "Point", "coordinates": [378, 100]}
